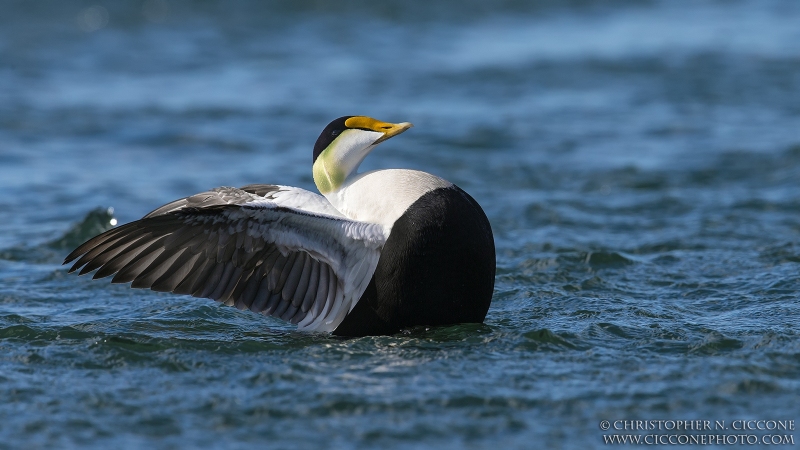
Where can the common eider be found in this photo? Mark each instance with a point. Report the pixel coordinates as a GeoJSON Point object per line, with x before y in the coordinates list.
{"type": "Point", "coordinates": [376, 253]}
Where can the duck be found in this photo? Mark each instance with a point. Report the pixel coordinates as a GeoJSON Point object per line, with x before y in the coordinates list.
{"type": "Point", "coordinates": [374, 253]}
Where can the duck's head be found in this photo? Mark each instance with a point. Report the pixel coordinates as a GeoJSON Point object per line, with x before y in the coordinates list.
{"type": "Point", "coordinates": [344, 143]}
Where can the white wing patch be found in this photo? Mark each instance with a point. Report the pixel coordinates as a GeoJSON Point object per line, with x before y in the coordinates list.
{"type": "Point", "coordinates": [303, 200]}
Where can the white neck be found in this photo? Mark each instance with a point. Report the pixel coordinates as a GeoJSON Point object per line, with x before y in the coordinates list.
{"type": "Point", "coordinates": [382, 196]}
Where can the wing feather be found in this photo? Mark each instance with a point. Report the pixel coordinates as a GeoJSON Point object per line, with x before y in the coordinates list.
{"type": "Point", "coordinates": [300, 289]}
{"type": "Point", "coordinates": [169, 281]}
{"type": "Point", "coordinates": [140, 262]}
{"type": "Point", "coordinates": [111, 252]}
{"type": "Point", "coordinates": [224, 281]}
{"type": "Point", "coordinates": [293, 278]}
{"type": "Point", "coordinates": [93, 243]}
{"type": "Point", "coordinates": [329, 300]}
{"type": "Point", "coordinates": [274, 274]}
{"type": "Point", "coordinates": [156, 269]}
{"type": "Point", "coordinates": [282, 309]}
{"type": "Point", "coordinates": [119, 260]}
{"type": "Point", "coordinates": [250, 289]}
{"type": "Point", "coordinates": [262, 296]}
{"type": "Point", "coordinates": [92, 255]}
{"type": "Point", "coordinates": [212, 281]}
{"type": "Point", "coordinates": [276, 250]}
{"type": "Point", "coordinates": [311, 288]}
{"type": "Point", "coordinates": [291, 314]}
{"type": "Point", "coordinates": [240, 301]}
{"type": "Point", "coordinates": [187, 286]}
{"type": "Point", "coordinates": [272, 304]}
{"type": "Point", "coordinates": [322, 296]}
{"type": "Point", "coordinates": [287, 270]}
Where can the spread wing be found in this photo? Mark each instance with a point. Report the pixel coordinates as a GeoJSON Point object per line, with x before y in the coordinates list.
{"type": "Point", "coordinates": [281, 251]}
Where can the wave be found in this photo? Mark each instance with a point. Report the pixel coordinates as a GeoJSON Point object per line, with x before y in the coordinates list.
{"type": "Point", "coordinates": [95, 222]}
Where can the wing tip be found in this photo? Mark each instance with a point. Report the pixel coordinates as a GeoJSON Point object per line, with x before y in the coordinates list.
{"type": "Point", "coordinates": [74, 266]}
{"type": "Point", "coordinates": [72, 256]}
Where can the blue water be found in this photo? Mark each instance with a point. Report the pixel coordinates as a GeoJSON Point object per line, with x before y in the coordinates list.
{"type": "Point", "coordinates": [639, 163]}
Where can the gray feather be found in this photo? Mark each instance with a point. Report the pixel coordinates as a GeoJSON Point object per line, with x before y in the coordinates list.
{"type": "Point", "coordinates": [273, 302]}
{"type": "Point", "coordinates": [286, 271]}
{"type": "Point", "coordinates": [94, 242]}
{"type": "Point", "coordinates": [260, 189]}
{"type": "Point", "coordinates": [281, 308]}
{"type": "Point", "coordinates": [155, 270]}
{"type": "Point", "coordinates": [250, 290]}
{"type": "Point", "coordinates": [332, 284]}
{"type": "Point", "coordinates": [216, 294]}
{"type": "Point", "coordinates": [293, 278]}
{"type": "Point", "coordinates": [311, 288]}
{"type": "Point", "coordinates": [138, 264]}
{"type": "Point", "coordinates": [243, 301]}
{"type": "Point", "coordinates": [262, 297]}
{"type": "Point", "coordinates": [169, 281]}
{"type": "Point", "coordinates": [92, 254]}
{"type": "Point", "coordinates": [236, 277]}
{"type": "Point", "coordinates": [124, 257]}
{"type": "Point", "coordinates": [187, 285]}
{"type": "Point", "coordinates": [118, 247]}
{"type": "Point", "coordinates": [322, 291]}
{"type": "Point", "coordinates": [287, 315]}
{"type": "Point", "coordinates": [275, 273]}
{"type": "Point", "coordinates": [181, 237]}
{"type": "Point", "coordinates": [298, 316]}
{"type": "Point", "coordinates": [212, 280]}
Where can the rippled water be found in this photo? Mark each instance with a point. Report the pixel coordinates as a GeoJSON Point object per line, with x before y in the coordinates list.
{"type": "Point", "coordinates": [639, 163]}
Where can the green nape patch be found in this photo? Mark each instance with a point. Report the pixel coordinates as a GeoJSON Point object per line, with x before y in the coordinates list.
{"type": "Point", "coordinates": [328, 176]}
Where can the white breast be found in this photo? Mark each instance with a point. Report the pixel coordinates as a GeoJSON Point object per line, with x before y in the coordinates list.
{"type": "Point", "coordinates": [382, 196]}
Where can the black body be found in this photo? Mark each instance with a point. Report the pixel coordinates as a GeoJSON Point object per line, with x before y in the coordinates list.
{"type": "Point", "coordinates": [436, 268]}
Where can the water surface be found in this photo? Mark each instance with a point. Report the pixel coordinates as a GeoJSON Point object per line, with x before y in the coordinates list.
{"type": "Point", "coordinates": [639, 163]}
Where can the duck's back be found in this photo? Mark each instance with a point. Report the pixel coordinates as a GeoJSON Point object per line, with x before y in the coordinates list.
{"type": "Point", "coordinates": [436, 268]}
